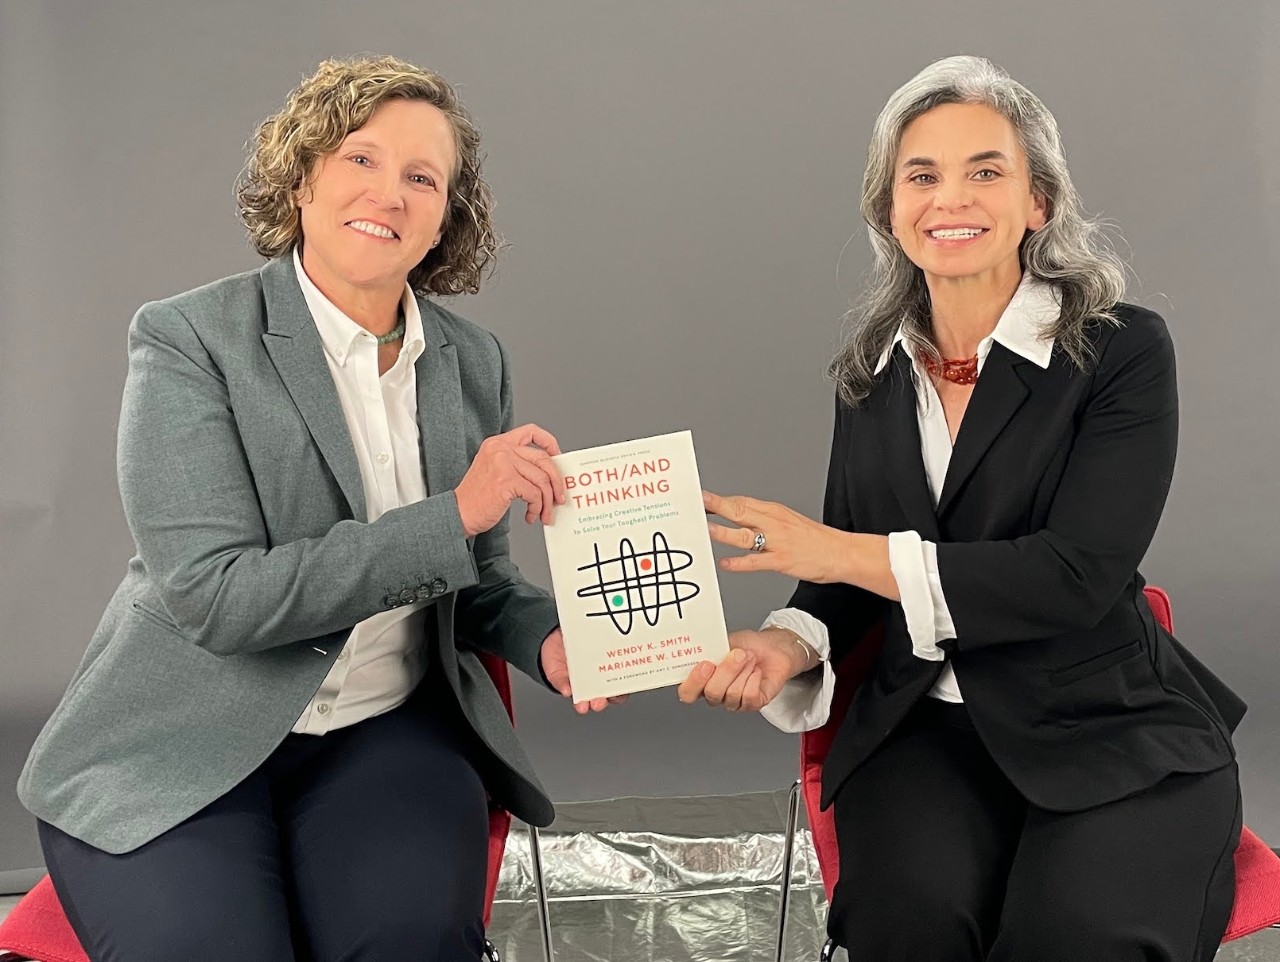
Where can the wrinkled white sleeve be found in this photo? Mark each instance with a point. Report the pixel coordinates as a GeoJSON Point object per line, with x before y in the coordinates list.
{"type": "Point", "coordinates": [915, 567]}
{"type": "Point", "coordinates": [805, 701]}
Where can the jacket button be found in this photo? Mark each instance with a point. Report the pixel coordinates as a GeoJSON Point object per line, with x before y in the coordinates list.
{"type": "Point", "coordinates": [391, 601]}
{"type": "Point", "coordinates": [408, 596]}
{"type": "Point", "coordinates": [424, 592]}
{"type": "Point", "coordinates": [439, 586]}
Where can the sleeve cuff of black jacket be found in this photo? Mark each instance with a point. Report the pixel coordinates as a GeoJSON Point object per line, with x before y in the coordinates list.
{"type": "Point", "coordinates": [542, 671]}
{"type": "Point", "coordinates": [535, 625]}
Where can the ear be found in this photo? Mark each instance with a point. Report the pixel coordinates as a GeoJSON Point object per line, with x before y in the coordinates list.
{"type": "Point", "coordinates": [1039, 212]}
{"type": "Point", "coordinates": [304, 193]}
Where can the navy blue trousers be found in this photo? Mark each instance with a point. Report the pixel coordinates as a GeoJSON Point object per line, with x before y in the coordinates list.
{"type": "Point", "coordinates": [368, 843]}
{"type": "Point", "coordinates": [943, 860]}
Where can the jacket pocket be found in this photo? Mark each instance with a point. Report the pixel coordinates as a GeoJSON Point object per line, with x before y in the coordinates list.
{"type": "Point", "coordinates": [1090, 666]}
{"type": "Point", "coordinates": [156, 618]}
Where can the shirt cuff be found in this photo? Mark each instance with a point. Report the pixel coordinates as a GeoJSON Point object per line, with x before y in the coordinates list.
{"type": "Point", "coordinates": [804, 703]}
{"type": "Point", "coordinates": [943, 626]}
{"type": "Point", "coordinates": [910, 571]}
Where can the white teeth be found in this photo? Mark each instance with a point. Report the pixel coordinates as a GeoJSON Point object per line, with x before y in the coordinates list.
{"type": "Point", "coordinates": [955, 233]}
{"type": "Point", "coordinates": [375, 229]}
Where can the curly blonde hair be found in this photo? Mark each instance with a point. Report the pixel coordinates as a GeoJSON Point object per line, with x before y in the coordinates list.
{"type": "Point", "coordinates": [320, 112]}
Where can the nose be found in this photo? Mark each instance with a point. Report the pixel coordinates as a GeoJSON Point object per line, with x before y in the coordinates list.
{"type": "Point", "coordinates": [953, 194]}
{"type": "Point", "coordinates": [385, 191]}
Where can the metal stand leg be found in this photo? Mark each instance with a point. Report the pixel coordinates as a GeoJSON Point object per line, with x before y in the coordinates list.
{"type": "Point", "coordinates": [540, 887]}
{"type": "Point", "coordinates": [788, 859]}
{"type": "Point", "coordinates": [828, 951]}
{"type": "Point", "coordinates": [491, 952]}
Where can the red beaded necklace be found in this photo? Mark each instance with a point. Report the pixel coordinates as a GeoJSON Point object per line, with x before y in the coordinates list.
{"type": "Point", "coordinates": [964, 371]}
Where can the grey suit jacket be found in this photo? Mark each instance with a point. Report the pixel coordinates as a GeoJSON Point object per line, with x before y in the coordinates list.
{"type": "Point", "coordinates": [243, 495]}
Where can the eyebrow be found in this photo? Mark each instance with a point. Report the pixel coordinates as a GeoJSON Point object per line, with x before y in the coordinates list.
{"type": "Point", "coordinates": [975, 159]}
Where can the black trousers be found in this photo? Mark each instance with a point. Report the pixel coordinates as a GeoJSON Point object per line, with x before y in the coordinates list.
{"type": "Point", "coordinates": [368, 843]}
{"type": "Point", "coordinates": [942, 859]}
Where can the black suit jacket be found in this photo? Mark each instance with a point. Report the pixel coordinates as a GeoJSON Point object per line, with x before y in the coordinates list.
{"type": "Point", "coordinates": [1054, 489]}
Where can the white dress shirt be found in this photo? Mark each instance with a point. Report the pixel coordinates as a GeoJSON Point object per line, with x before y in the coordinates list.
{"type": "Point", "coordinates": [805, 701]}
{"type": "Point", "coordinates": [382, 661]}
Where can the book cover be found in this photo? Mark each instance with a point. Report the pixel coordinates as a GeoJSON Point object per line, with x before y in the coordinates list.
{"type": "Point", "coordinates": [635, 581]}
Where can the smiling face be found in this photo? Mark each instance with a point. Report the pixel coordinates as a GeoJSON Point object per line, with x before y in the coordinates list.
{"type": "Point", "coordinates": [373, 207]}
{"type": "Point", "coordinates": [962, 198]}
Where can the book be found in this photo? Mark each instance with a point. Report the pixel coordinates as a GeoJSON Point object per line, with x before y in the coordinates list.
{"type": "Point", "coordinates": [631, 564]}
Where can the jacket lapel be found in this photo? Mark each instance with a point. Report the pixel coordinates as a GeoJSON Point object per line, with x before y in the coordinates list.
{"type": "Point", "coordinates": [443, 445]}
{"type": "Point", "coordinates": [440, 409]}
{"type": "Point", "coordinates": [892, 406]}
{"type": "Point", "coordinates": [294, 346]}
{"type": "Point", "coordinates": [997, 395]}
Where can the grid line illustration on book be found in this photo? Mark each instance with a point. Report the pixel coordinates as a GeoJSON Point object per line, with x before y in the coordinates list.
{"type": "Point", "coordinates": [631, 564]}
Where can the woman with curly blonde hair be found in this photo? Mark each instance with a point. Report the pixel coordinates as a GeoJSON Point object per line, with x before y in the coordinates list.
{"type": "Point", "coordinates": [280, 740]}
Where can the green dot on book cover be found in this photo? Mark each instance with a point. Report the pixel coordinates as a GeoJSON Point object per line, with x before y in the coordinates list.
{"type": "Point", "coordinates": [617, 601]}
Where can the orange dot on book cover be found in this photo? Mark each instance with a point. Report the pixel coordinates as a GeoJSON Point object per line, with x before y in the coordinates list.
{"type": "Point", "coordinates": [646, 564]}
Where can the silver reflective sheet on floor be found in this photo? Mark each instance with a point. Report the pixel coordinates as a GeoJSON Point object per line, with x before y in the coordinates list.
{"type": "Point", "coordinates": [662, 880]}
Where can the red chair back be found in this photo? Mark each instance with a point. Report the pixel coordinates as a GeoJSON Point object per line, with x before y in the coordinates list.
{"type": "Point", "coordinates": [499, 817]}
{"type": "Point", "coordinates": [38, 928]}
{"type": "Point", "coordinates": [1257, 903]}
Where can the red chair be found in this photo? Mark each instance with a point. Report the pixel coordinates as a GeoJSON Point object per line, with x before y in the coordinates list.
{"type": "Point", "coordinates": [1257, 903]}
{"type": "Point", "coordinates": [37, 928]}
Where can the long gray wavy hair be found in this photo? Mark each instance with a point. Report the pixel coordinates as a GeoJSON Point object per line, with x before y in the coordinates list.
{"type": "Point", "coordinates": [1070, 251]}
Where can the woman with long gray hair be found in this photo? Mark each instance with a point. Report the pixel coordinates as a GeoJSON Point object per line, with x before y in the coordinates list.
{"type": "Point", "coordinates": [1034, 768]}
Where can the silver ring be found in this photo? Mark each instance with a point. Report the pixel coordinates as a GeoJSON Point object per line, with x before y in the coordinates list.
{"type": "Point", "coordinates": [758, 544]}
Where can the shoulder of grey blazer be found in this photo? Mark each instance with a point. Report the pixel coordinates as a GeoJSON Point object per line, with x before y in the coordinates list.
{"type": "Point", "coordinates": [225, 310]}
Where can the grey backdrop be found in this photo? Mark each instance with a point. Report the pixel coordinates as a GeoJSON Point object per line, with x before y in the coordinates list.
{"type": "Point", "coordinates": [677, 181]}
